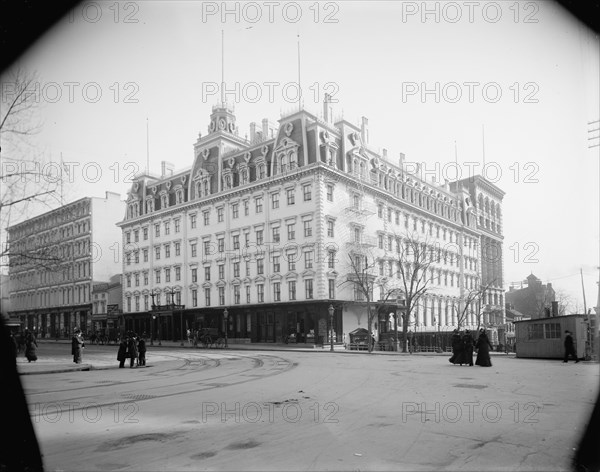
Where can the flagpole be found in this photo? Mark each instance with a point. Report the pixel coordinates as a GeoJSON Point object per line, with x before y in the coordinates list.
{"type": "Point", "coordinates": [455, 153]}
{"type": "Point", "coordinates": [483, 143]}
{"type": "Point", "coordinates": [299, 83]}
{"type": "Point", "coordinates": [62, 168]}
{"type": "Point", "coordinates": [223, 68]}
{"type": "Point", "coordinates": [147, 148]}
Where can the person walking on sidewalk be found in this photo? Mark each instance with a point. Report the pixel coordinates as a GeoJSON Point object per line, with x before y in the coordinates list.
{"type": "Point", "coordinates": [122, 353]}
{"type": "Point", "coordinates": [468, 342]}
{"type": "Point", "coordinates": [457, 348]}
{"type": "Point", "coordinates": [483, 350]}
{"type": "Point", "coordinates": [132, 348]}
{"type": "Point", "coordinates": [569, 347]}
{"type": "Point", "coordinates": [30, 346]}
{"type": "Point", "coordinates": [141, 352]}
{"type": "Point", "coordinates": [77, 345]}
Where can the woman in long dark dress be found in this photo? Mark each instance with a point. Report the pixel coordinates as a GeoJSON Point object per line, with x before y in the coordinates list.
{"type": "Point", "coordinates": [468, 342]}
{"type": "Point", "coordinates": [457, 348]}
{"type": "Point", "coordinates": [30, 347]}
{"type": "Point", "coordinates": [483, 350]}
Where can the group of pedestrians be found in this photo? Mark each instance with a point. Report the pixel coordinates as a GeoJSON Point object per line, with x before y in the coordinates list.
{"type": "Point", "coordinates": [132, 347]}
{"type": "Point", "coordinates": [463, 345]}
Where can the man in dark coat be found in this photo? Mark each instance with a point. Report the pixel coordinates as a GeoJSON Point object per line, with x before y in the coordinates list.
{"type": "Point", "coordinates": [142, 352]}
{"type": "Point", "coordinates": [122, 354]}
{"type": "Point", "coordinates": [483, 350]}
{"type": "Point", "coordinates": [132, 349]}
{"type": "Point", "coordinates": [468, 347]}
{"type": "Point", "coordinates": [569, 347]}
{"type": "Point", "coordinates": [77, 345]}
{"type": "Point", "coordinates": [457, 348]}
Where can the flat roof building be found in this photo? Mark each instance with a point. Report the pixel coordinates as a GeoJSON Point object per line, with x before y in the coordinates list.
{"type": "Point", "coordinates": [55, 258]}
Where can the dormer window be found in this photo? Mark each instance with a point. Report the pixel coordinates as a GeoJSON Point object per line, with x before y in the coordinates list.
{"type": "Point", "coordinates": [244, 176]}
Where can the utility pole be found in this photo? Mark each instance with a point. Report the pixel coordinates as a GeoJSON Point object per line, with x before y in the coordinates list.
{"type": "Point", "coordinates": [589, 321]}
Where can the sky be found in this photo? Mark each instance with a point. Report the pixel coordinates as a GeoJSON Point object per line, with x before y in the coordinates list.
{"type": "Point", "coordinates": [449, 84]}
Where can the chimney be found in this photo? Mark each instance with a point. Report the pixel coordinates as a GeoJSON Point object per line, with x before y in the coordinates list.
{"type": "Point", "coordinates": [166, 169]}
{"type": "Point", "coordinates": [554, 308]}
{"type": "Point", "coordinates": [384, 153]}
{"type": "Point", "coordinates": [364, 130]}
{"type": "Point", "coordinates": [327, 110]}
{"type": "Point", "coordinates": [265, 128]}
{"type": "Point", "coordinates": [401, 163]}
{"type": "Point", "coordinates": [252, 131]}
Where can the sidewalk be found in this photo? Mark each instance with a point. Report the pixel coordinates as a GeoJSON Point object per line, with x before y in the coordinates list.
{"type": "Point", "coordinates": [339, 348]}
{"type": "Point", "coordinates": [64, 363]}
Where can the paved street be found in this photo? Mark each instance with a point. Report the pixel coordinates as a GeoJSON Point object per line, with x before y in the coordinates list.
{"type": "Point", "coordinates": [244, 409]}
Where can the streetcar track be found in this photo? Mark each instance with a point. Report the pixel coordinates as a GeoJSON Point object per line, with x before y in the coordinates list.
{"type": "Point", "coordinates": [280, 366]}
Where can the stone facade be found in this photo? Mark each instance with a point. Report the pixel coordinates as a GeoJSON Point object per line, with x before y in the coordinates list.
{"type": "Point", "coordinates": [267, 228]}
{"type": "Point", "coordinates": [55, 258]}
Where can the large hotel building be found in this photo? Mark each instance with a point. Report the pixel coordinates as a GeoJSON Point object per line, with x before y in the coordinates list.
{"type": "Point", "coordinates": [55, 259]}
{"type": "Point", "coordinates": [257, 237]}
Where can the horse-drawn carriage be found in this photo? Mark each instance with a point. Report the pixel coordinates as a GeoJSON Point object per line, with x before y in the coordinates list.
{"type": "Point", "coordinates": [211, 337]}
{"type": "Point", "coordinates": [105, 336]}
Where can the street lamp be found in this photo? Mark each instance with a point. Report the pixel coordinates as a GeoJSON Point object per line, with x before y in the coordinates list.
{"type": "Point", "coordinates": [152, 330]}
{"type": "Point", "coordinates": [171, 291]}
{"type": "Point", "coordinates": [394, 315]}
{"type": "Point", "coordinates": [157, 293]}
{"type": "Point", "coordinates": [226, 316]}
{"type": "Point", "coordinates": [331, 312]}
{"type": "Point", "coordinates": [152, 294]}
{"type": "Point", "coordinates": [440, 333]}
{"type": "Point", "coordinates": [159, 332]}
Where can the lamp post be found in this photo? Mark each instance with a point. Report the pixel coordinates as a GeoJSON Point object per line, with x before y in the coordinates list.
{"type": "Point", "coordinates": [171, 291]}
{"type": "Point", "coordinates": [157, 293]}
{"type": "Point", "coordinates": [395, 315]}
{"type": "Point", "coordinates": [159, 332]}
{"type": "Point", "coordinates": [331, 312]}
{"type": "Point", "coordinates": [152, 320]}
{"type": "Point", "coordinates": [226, 316]}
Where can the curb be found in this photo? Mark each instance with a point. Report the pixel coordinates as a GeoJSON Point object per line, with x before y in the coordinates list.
{"type": "Point", "coordinates": [59, 370]}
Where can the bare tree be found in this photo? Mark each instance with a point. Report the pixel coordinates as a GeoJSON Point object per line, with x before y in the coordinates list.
{"type": "Point", "coordinates": [479, 296]}
{"type": "Point", "coordinates": [24, 178]}
{"type": "Point", "coordinates": [414, 260]}
{"type": "Point", "coordinates": [565, 302]}
{"type": "Point", "coordinates": [364, 279]}
{"type": "Point", "coordinates": [18, 116]}
{"type": "Point", "coordinates": [471, 302]}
